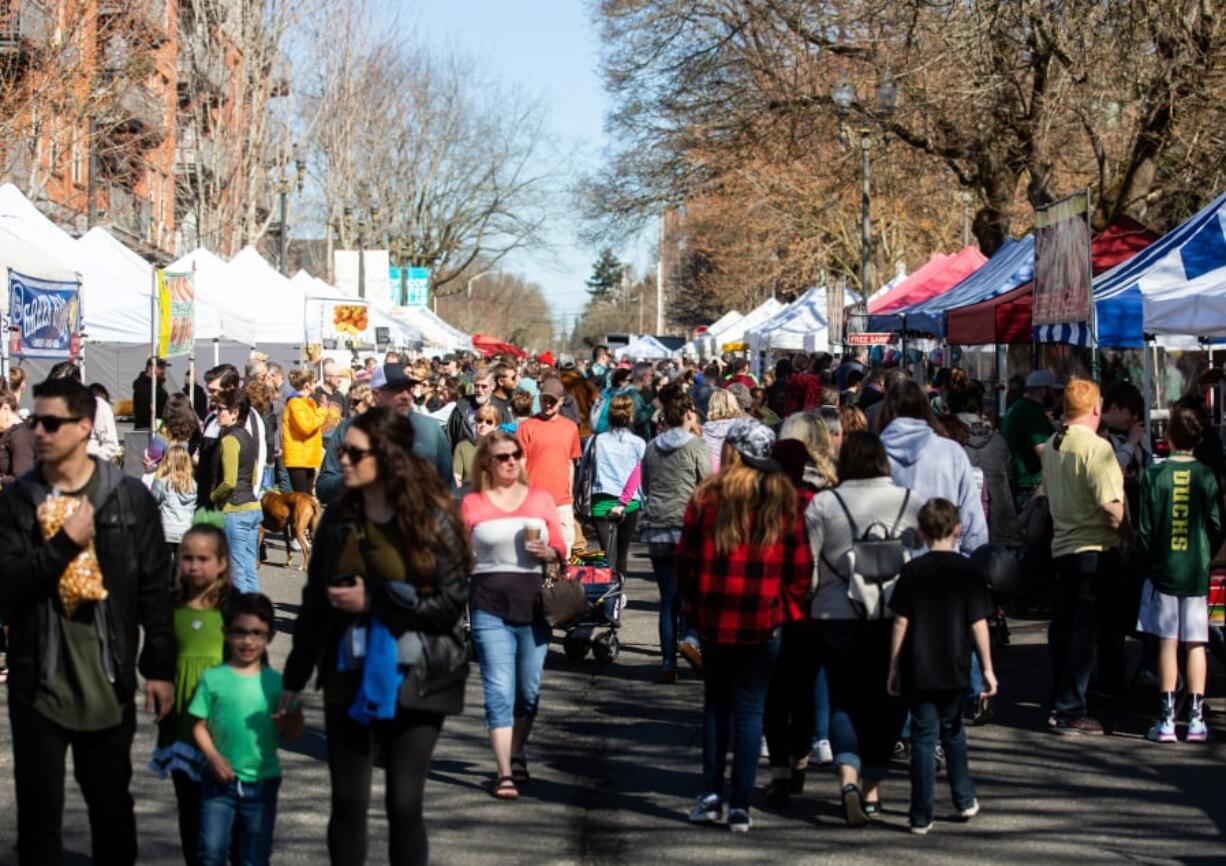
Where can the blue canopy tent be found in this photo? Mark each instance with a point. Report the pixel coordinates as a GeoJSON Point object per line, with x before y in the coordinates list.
{"type": "Point", "coordinates": [1195, 248]}
{"type": "Point", "coordinates": [1011, 266]}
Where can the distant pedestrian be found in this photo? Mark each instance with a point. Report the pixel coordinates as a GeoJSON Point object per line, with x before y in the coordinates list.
{"type": "Point", "coordinates": [616, 482]}
{"type": "Point", "coordinates": [551, 447]}
{"type": "Point", "coordinates": [302, 432]}
{"type": "Point", "coordinates": [941, 605]}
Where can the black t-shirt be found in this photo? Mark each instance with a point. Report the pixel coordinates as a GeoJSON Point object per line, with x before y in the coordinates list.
{"type": "Point", "coordinates": [941, 594]}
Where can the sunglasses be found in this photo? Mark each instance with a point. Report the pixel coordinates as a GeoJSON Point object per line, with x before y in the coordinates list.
{"type": "Point", "coordinates": [507, 457]}
{"type": "Point", "coordinates": [355, 454]}
{"type": "Point", "coordinates": [50, 423]}
{"type": "Point", "coordinates": [486, 422]}
{"type": "Point", "coordinates": [240, 633]}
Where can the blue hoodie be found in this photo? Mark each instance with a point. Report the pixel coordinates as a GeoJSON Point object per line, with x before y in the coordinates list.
{"type": "Point", "coordinates": [935, 467]}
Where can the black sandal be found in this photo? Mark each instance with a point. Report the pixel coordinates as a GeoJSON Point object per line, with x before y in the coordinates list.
{"type": "Point", "coordinates": [519, 770]}
{"type": "Point", "coordinates": [853, 806]}
{"type": "Point", "coordinates": [504, 789]}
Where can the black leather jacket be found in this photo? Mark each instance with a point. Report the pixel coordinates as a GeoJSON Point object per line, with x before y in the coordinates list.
{"type": "Point", "coordinates": [437, 681]}
{"type": "Point", "coordinates": [132, 553]}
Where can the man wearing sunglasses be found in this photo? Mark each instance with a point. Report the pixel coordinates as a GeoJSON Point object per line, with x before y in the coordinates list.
{"type": "Point", "coordinates": [551, 447]}
{"type": "Point", "coordinates": [461, 426]}
{"type": "Point", "coordinates": [73, 676]}
{"type": "Point", "coordinates": [393, 389]}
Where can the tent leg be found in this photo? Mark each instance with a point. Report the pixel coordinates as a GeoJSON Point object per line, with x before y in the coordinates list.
{"type": "Point", "coordinates": [216, 352]}
{"type": "Point", "coordinates": [1147, 387]}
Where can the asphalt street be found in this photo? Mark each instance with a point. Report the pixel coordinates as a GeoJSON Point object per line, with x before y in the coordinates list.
{"type": "Point", "coordinates": [615, 761]}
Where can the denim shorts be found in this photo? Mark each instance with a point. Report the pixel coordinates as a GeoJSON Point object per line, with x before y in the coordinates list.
{"type": "Point", "coordinates": [512, 660]}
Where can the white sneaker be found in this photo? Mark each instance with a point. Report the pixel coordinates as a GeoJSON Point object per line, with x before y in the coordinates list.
{"type": "Point", "coordinates": [921, 829]}
{"type": "Point", "coordinates": [970, 811]}
{"type": "Point", "coordinates": [765, 751]}
{"type": "Point", "coordinates": [739, 821]}
{"type": "Point", "coordinates": [709, 809]}
{"type": "Point", "coordinates": [822, 755]}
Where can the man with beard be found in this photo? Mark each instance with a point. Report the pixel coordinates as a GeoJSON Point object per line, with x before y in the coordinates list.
{"type": "Point", "coordinates": [461, 426]}
{"type": "Point", "coordinates": [642, 393]}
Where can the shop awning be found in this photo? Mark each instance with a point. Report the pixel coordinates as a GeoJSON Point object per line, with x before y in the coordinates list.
{"type": "Point", "coordinates": [930, 281]}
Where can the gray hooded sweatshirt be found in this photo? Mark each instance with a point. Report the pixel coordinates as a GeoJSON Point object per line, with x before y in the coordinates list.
{"type": "Point", "coordinates": [674, 464]}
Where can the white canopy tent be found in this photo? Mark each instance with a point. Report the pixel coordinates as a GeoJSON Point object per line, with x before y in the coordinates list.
{"type": "Point", "coordinates": [801, 326]}
{"type": "Point", "coordinates": [401, 333]}
{"type": "Point", "coordinates": [437, 336]}
{"type": "Point", "coordinates": [275, 303]}
{"type": "Point", "coordinates": [735, 332]}
{"type": "Point", "coordinates": [1195, 308]}
{"type": "Point", "coordinates": [695, 347]}
{"type": "Point", "coordinates": [645, 348]}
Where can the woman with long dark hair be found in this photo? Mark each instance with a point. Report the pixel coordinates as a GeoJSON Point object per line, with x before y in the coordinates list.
{"type": "Point", "coordinates": [391, 558]}
{"type": "Point", "coordinates": [743, 570]}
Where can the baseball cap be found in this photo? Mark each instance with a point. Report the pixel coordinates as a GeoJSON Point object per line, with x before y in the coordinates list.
{"type": "Point", "coordinates": [553, 388]}
{"type": "Point", "coordinates": [754, 441]}
{"type": "Point", "coordinates": [566, 362]}
{"type": "Point", "coordinates": [1044, 379]}
{"type": "Point", "coordinates": [161, 362]}
{"type": "Point", "coordinates": [390, 376]}
{"type": "Point", "coordinates": [545, 358]}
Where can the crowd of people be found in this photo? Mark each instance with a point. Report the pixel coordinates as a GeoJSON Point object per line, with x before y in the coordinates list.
{"type": "Point", "coordinates": [833, 544]}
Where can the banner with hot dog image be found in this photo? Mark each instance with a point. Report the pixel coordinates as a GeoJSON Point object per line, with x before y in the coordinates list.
{"type": "Point", "coordinates": [45, 318]}
{"type": "Point", "coordinates": [176, 314]}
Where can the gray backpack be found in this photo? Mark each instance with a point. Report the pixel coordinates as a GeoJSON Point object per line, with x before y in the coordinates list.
{"type": "Point", "coordinates": [877, 557]}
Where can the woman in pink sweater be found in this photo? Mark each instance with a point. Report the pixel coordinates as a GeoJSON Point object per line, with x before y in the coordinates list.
{"type": "Point", "coordinates": [514, 531]}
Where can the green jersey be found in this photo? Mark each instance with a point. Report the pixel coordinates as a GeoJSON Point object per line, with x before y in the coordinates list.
{"type": "Point", "coordinates": [1179, 525]}
{"type": "Point", "coordinates": [238, 709]}
{"type": "Point", "coordinates": [1025, 426]}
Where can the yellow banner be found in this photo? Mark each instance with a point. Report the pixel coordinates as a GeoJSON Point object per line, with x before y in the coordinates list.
{"type": "Point", "coordinates": [176, 314]}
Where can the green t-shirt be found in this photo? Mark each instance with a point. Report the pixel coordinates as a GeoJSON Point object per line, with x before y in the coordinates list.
{"type": "Point", "coordinates": [1179, 524]}
{"type": "Point", "coordinates": [238, 709]}
{"type": "Point", "coordinates": [79, 696]}
{"type": "Point", "coordinates": [1025, 426]}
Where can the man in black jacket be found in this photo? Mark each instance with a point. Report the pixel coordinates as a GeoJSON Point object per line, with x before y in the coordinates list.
{"type": "Point", "coordinates": [142, 394]}
{"type": "Point", "coordinates": [72, 676]}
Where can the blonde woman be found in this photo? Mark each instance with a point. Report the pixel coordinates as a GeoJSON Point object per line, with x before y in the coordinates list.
{"type": "Point", "coordinates": [810, 430]}
{"type": "Point", "coordinates": [722, 412]}
{"type": "Point", "coordinates": [486, 419]}
{"type": "Point", "coordinates": [361, 398]}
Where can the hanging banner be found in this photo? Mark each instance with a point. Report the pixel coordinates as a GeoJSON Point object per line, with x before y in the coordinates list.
{"type": "Point", "coordinates": [177, 314]}
{"type": "Point", "coordinates": [417, 287]}
{"type": "Point", "coordinates": [347, 322]}
{"type": "Point", "coordinates": [45, 317]}
{"type": "Point", "coordinates": [1062, 268]}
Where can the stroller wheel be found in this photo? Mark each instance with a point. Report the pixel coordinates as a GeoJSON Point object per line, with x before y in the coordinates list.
{"type": "Point", "coordinates": [575, 647]}
{"type": "Point", "coordinates": [606, 647]}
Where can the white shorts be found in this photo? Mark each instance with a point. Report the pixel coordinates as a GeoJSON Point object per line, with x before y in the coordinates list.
{"type": "Point", "coordinates": [566, 517]}
{"type": "Point", "coordinates": [1173, 618]}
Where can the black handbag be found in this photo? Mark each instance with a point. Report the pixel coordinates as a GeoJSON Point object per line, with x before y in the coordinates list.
{"type": "Point", "coordinates": [562, 601]}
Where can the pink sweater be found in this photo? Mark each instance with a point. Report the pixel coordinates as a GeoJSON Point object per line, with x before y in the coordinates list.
{"type": "Point", "coordinates": [498, 536]}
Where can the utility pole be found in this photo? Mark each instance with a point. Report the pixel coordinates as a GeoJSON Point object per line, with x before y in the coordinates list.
{"type": "Point", "coordinates": [660, 279]}
{"type": "Point", "coordinates": [626, 295]}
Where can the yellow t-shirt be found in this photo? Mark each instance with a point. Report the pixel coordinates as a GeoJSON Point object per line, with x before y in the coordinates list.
{"type": "Point", "coordinates": [1081, 477]}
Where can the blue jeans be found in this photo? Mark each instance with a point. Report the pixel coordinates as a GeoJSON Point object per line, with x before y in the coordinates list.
{"type": "Point", "coordinates": [512, 659]}
{"type": "Point", "coordinates": [250, 805]}
{"type": "Point", "coordinates": [243, 534]}
{"type": "Point", "coordinates": [1073, 633]}
{"type": "Point", "coordinates": [933, 715]}
{"type": "Point", "coordinates": [735, 679]}
{"type": "Point", "coordinates": [821, 706]}
{"type": "Point", "coordinates": [672, 620]}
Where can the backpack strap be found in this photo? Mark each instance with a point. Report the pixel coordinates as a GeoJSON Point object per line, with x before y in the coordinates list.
{"type": "Point", "coordinates": [901, 513]}
{"type": "Point", "coordinates": [851, 521]}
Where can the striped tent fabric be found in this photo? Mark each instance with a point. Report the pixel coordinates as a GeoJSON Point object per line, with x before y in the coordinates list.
{"type": "Point", "coordinates": [1195, 248]}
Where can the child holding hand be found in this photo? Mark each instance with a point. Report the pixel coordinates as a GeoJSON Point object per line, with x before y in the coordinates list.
{"type": "Point", "coordinates": [236, 728]}
{"type": "Point", "coordinates": [941, 606]}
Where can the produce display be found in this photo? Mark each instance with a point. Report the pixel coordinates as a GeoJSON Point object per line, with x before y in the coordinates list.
{"type": "Point", "coordinates": [350, 319]}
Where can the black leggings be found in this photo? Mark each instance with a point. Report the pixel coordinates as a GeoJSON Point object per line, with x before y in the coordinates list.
{"type": "Point", "coordinates": [625, 534]}
{"type": "Point", "coordinates": [408, 743]}
{"type": "Point", "coordinates": [790, 711]}
{"type": "Point", "coordinates": [301, 479]}
{"type": "Point", "coordinates": [187, 793]}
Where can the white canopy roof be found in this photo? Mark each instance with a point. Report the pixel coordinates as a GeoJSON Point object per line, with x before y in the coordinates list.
{"type": "Point", "coordinates": [1196, 307]}
{"type": "Point", "coordinates": [33, 245]}
{"type": "Point", "coordinates": [277, 306]}
{"type": "Point", "coordinates": [436, 334]}
{"type": "Point", "coordinates": [735, 331]}
{"type": "Point", "coordinates": [402, 333]}
{"type": "Point", "coordinates": [645, 348]}
{"type": "Point", "coordinates": [799, 327]}
{"type": "Point", "coordinates": [223, 312]}
{"type": "Point", "coordinates": [118, 290]}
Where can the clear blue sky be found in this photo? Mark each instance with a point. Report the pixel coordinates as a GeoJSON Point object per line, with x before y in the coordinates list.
{"type": "Point", "coordinates": [550, 49]}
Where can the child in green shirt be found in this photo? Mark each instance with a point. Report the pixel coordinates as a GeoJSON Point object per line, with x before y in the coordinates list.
{"type": "Point", "coordinates": [1179, 524]}
{"type": "Point", "coordinates": [236, 728]}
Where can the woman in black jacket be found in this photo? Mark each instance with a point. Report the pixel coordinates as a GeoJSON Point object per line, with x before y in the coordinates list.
{"type": "Point", "coordinates": [392, 559]}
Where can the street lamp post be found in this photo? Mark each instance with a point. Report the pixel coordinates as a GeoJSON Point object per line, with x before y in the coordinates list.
{"type": "Point", "coordinates": [285, 185]}
{"type": "Point", "coordinates": [843, 94]}
{"type": "Point", "coordinates": [360, 215]}
{"type": "Point", "coordinates": [468, 312]}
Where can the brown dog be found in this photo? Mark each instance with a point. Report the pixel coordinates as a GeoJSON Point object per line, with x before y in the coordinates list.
{"type": "Point", "coordinates": [296, 513]}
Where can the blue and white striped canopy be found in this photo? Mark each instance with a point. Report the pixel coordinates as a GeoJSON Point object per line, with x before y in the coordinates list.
{"type": "Point", "coordinates": [1193, 249]}
{"type": "Point", "coordinates": [1012, 265]}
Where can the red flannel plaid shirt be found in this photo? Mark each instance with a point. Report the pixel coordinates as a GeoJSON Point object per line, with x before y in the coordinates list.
{"type": "Point", "coordinates": [740, 598]}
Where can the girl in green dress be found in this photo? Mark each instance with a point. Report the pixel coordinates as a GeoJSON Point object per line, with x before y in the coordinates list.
{"type": "Point", "coordinates": [203, 585]}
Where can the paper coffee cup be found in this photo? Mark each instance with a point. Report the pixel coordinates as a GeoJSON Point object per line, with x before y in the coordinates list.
{"type": "Point", "coordinates": [532, 533]}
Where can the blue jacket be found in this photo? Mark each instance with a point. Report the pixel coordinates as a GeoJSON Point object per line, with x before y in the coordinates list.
{"type": "Point", "coordinates": [935, 467]}
{"type": "Point", "coordinates": [429, 442]}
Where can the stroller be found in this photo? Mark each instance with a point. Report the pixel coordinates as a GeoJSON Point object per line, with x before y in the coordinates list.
{"type": "Point", "coordinates": [606, 597]}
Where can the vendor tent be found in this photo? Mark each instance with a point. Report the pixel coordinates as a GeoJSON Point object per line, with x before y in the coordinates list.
{"type": "Point", "coordinates": [1006, 317]}
{"type": "Point", "coordinates": [20, 256]}
{"type": "Point", "coordinates": [645, 348]}
{"type": "Point", "coordinates": [788, 329]}
{"type": "Point", "coordinates": [218, 289]}
{"type": "Point", "coordinates": [1197, 307]}
{"type": "Point", "coordinates": [489, 346]}
{"type": "Point", "coordinates": [713, 341]}
{"type": "Point", "coordinates": [1012, 265]}
{"type": "Point", "coordinates": [437, 336]}
{"type": "Point", "coordinates": [933, 279]}
{"type": "Point", "coordinates": [276, 304]}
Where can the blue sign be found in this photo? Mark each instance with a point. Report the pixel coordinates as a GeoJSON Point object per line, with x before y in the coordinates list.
{"type": "Point", "coordinates": [393, 285]}
{"type": "Point", "coordinates": [45, 317]}
{"type": "Point", "coordinates": [417, 287]}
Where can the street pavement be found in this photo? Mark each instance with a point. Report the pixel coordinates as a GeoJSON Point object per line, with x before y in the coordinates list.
{"type": "Point", "coordinates": [615, 760]}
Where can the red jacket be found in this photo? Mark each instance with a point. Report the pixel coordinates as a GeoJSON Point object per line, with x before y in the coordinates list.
{"type": "Point", "coordinates": [741, 597]}
{"type": "Point", "coordinates": [803, 392]}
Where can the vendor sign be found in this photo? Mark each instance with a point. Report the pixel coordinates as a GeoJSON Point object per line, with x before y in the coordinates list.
{"type": "Point", "coordinates": [871, 339]}
{"type": "Point", "coordinates": [45, 317]}
{"type": "Point", "coordinates": [347, 322]}
{"type": "Point", "coordinates": [176, 314]}
{"type": "Point", "coordinates": [1062, 271]}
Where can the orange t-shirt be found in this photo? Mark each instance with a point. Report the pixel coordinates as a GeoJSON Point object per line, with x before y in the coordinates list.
{"type": "Point", "coordinates": [549, 448]}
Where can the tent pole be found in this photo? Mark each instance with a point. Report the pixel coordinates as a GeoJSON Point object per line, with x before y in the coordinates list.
{"type": "Point", "coordinates": [216, 352]}
{"type": "Point", "coordinates": [1147, 385]}
{"type": "Point", "coordinates": [4, 348]}
{"type": "Point", "coordinates": [153, 355]}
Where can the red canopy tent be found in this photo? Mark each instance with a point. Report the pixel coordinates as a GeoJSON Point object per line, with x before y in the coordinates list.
{"type": "Point", "coordinates": [940, 274]}
{"type": "Point", "coordinates": [1006, 318]}
{"type": "Point", "coordinates": [489, 346]}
